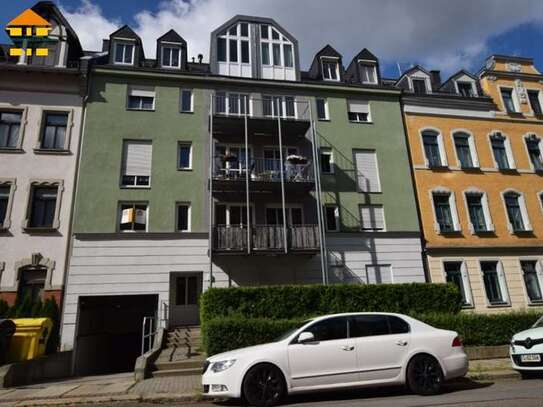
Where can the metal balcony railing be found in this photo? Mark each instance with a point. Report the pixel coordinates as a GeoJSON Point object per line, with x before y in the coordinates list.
{"type": "Point", "coordinates": [263, 169]}
{"type": "Point", "coordinates": [269, 107]}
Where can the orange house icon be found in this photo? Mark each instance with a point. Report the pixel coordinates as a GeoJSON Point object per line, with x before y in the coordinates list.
{"type": "Point", "coordinates": [28, 26]}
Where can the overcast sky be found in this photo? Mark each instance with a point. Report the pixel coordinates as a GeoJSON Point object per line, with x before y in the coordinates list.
{"type": "Point", "coordinates": [441, 34]}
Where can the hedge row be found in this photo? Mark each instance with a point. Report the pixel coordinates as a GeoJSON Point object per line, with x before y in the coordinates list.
{"type": "Point", "coordinates": [223, 334]}
{"type": "Point", "coordinates": [297, 301]}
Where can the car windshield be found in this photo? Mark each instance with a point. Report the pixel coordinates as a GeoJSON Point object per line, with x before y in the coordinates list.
{"type": "Point", "coordinates": [539, 323]}
{"type": "Point", "coordinates": [292, 330]}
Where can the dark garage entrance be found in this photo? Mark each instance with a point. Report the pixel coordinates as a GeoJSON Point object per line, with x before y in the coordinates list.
{"type": "Point", "coordinates": [109, 332]}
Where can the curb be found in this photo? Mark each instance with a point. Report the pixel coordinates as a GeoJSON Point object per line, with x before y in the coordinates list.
{"type": "Point", "coordinates": [70, 401]}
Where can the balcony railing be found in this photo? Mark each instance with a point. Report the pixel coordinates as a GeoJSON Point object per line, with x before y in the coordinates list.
{"type": "Point", "coordinates": [269, 107]}
{"type": "Point", "coordinates": [233, 238]}
{"type": "Point", "coordinates": [263, 169]}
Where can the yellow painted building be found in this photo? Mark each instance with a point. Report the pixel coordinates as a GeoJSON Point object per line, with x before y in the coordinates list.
{"type": "Point", "coordinates": [477, 162]}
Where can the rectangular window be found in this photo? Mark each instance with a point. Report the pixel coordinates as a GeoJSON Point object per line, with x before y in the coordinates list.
{"type": "Point", "coordinates": [184, 161]}
{"type": "Point", "coordinates": [327, 162]}
{"type": "Point", "coordinates": [367, 74]}
{"type": "Point", "coordinates": [43, 206]}
{"type": "Point", "coordinates": [141, 98]}
{"type": "Point", "coordinates": [220, 102]}
{"type": "Point", "coordinates": [322, 109]}
{"type": "Point", "coordinates": [233, 49]}
{"type": "Point", "coordinates": [492, 282]}
{"type": "Point", "coordinates": [372, 217]}
{"type": "Point", "coordinates": [367, 171]}
{"type": "Point", "coordinates": [265, 53]}
{"type": "Point", "coordinates": [476, 212]}
{"type": "Point", "coordinates": [500, 153]}
{"type": "Point", "coordinates": [10, 123]}
{"type": "Point", "coordinates": [443, 211]}
{"type": "Point", "coordinates": [465, 89]}
{"type": "Point", "coordinates": [533, 96]}
{"type": "Point", "coordinates": [54, 131]}
{"type": "Point", "coordinates": [431, 149]}
{"type": "Point", "coordinates": [330, 70]}
{"type": "Point", "coordinates": [31, 284]}
{"type": "Point", "coordinates": [183, 217]}
{"type": "Point", "coordinates": [221, 49]}
{"type": "Point", "coordinates": [136, 165]}
{"type": "Point", "coordinates": [170, 57]}
{"type": "Point", "coordinates": [264, 31]}
{"type": "Point", "coordinates": [359, 111]}
{"type": "Point", "coordinates": [245, 52]}
{"type": "Point", "coordinates": [532, 144]}
{"type": "Point", "coordinates": [5, 190]}
{"type": "Point", "coordinates": [290, 106]}
{"type": "Point", "coordinates": [531, 280]}
{"type": "Point", "coordinates": [186, 100]}
{"type": "Point", "coordinates": [514, 212]}
{"type": "Point", "coordinates": [379, 274]}
{"type": "Point", "coordinates": [509, 104]}
{"type": "Point", "coordinates": [331, 213]}
{"type": "Point", "coordinates": [124, 53]}
{"type": "Point", "coordinates": [453, 274]}
{"type": "Point", "coordinates": [276, 54]}
{"type": "Point", "coordinates": [186, 290]}
{"type": "Point", "coordinates": [463, 151]}
{"type": "Point", "coordinates": [244, 30]}
{"type": "Point", "coordinates": [419, 86]}
{"type": "Point", "coordinates": [287, 52]}
{"type": "Point", "coordinates": [133, 217]}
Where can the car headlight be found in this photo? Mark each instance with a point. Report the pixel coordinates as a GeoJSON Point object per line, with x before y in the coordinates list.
{"type": "Point", "coordinates": [222, 365]}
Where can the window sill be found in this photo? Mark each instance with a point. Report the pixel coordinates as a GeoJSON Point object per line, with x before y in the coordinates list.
{"type": "Point", "coordinates": [184, 169]}
{"type": "Point", "coordinates": [187, 111]}
{"type": "Point", "coordinates": [46, 151]}
{"type": "Point", "coordinates": [535, 303]}
{"type": "Point", "coordinates": [140, 110]}
{"type": "Point", "coordinates": [11, 150]}
{"type": "Point", "coordinates": [438, 167]}
{"type": "Point", "coordinates": [449, 232]}
{"type": "Point", "coordinates": [499, 305]}
{"type": "Point", "coordinates": [470, 168]}
{"type": "Point", "coordinates": [357, 122]}
{"type": "Point", "coordinates": [522, 232]}
{"type": "Point", "coordinates": [508, 170]}
{"type": "Point", "coordinates": [31, 230]}
{"type": "Point", "coordinates": [324, 120]}
{"type": "Point", "coordinates": [135, 186]}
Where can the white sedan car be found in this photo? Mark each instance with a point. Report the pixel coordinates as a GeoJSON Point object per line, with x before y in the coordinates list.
{"type": "Point", "coordinates": [527, 350]}
{"type": "Point", "coordinates": [339, 351]}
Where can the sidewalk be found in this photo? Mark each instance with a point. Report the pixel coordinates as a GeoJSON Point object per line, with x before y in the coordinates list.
{"type": "Point", "coordinates": [99, 389]}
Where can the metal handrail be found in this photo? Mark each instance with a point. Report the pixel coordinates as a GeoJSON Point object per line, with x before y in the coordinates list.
{"type": "Point", "coordinates": [269, 107]}
{"type": "Point", "coordinates": [148, 332]}
{"type": "Point", "coordinates": [263, 169]}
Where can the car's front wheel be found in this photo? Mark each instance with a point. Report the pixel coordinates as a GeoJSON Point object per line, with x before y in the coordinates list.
{"type": "Point", "coordinates": [264, 385]}
{"type": "Point", "coordinates": [424, 375]}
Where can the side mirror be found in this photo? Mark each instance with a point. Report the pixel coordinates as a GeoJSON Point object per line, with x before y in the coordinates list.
{"type": "Point", "coordinates": [305, 337]}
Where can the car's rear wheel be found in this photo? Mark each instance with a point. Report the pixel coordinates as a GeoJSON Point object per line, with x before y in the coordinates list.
{"type": "Point", "coordinates": [264, 385]}
{"type": "Point", "coordinates": [424, 375]}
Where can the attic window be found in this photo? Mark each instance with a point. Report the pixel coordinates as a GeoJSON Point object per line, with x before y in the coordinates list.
{"type": "Point", "coordinates": [368, 74]}
{"type": "Point", "coordinates": [419, 86]}
{"type": "Point", "coordinates": [124, 53]}
{"type": "Point", "coordinates": [465, 89]}
{"type": "Point", "coordinates": [170, 57]}
{"type": "Point", "coordinates": [330, 69]}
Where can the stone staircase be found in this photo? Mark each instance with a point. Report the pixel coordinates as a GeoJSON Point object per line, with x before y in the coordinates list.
{"type": "Point", "coordinates": [182, 354]}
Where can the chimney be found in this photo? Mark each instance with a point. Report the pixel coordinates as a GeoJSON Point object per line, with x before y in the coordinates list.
{"type": "Point", "coordinates": [105, 45]}
{"type": "Point", "coordinates": [200, 57]}
{"type": "Point", "coordinates": [435, 78]}
{"type": "Point", "coordinates": [192, 59]}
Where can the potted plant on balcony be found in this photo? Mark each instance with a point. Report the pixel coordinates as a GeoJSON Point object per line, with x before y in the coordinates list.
{"type": "Point", "coordinates": [297, 159]}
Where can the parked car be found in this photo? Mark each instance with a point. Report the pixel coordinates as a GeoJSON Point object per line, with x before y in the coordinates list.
{"type": "Point", "coordinates": [526, 350]}
{"type": "Point", "coordinates": [339, 351]}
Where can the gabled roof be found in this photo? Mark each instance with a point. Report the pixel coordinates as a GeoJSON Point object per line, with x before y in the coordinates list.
{"type": "Point", "coordinates": [125, 32]}
{"type": "Point", "coordinates": [328, 51]}
{"type": "Point", "coordinates": [457, 75]}
{"type": "Point", "coordinates": [315, 71]}
{"type": "Point", "coordinates": [29, 18]}
{"type": "Point", "coordinates": [352, 73]}
{"type": "Point", "coordinates": [172, 36]}
{"type": "Point", "coordinates": [411, 70]}
{"type": "Point", "coordinates": [365, 54]}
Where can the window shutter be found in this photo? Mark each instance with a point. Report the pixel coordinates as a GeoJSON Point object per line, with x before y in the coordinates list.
{"type": "Point", "coordinates": [142, 91]}
{"type": "Point", "coordinates": [503, 282]}
{"type": "Point", "coordinates": [359, 106]}
{"type": "Point", "coordinates": [372, 217]}
{"type": "Point", "coordinates": [137, 158]}
{"type": "Point", "coordinates": [367, 173]}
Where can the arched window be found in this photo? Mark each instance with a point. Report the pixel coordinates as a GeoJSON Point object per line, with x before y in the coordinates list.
{"type": "Point", "coordinates": [465, 150]}
{"type": "Point", "coordinates": [434, 150]}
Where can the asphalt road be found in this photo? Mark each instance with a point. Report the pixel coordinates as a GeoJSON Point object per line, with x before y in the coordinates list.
{"type": "Point", "coordinates": [504, 393]}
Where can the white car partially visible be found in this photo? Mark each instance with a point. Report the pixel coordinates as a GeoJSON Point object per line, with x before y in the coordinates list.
{"type": "Point", "coordinates": [526, 350]}
{"type": "Point", "coordinates": [339, 351]}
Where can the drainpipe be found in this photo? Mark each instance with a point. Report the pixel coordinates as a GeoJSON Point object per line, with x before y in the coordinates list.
{"type": "Point", "coordinates": [247, 179]}
{"type": "Point", "coordinates": [211, 164]}
{"type": "Point", "coordinates": [282, 177]}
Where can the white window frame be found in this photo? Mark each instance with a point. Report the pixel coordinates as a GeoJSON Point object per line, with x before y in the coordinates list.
{"type": "Point", "coordinates": [328, 151]}
{"type": "Point", "coordinates": [123, 158]}
{"type": "Point", "coordinates": [120, 215]}
{"type": "Point", "coordinates": [471, 82]}
{"type": "Point", "coordinates": [140, 91]}
{"type": "Point", "coordinates": [124, 42]}
{"type": "Point", "coordinates": [283, 106]}
{"type": "Point", "coordinates": [238, 38]}
{"type": "Point", "coordinates": [371, 64]}
{"type": "Point", "coordinates": [332, 60]}
{"type": "Point", "coordinates": [383, 229]}
{"type": "Point", "coordinates": [326, 111]}
{"type": "Point", "coordinates": [472, 147]}
{"type": "Point", "coordinates": [440, 145]}
{"type": "Point", "coordinates": [465, 279]}
{"type": "Point", "coordinates": [508, 151]}
{"type": "Point", "coordinates": [422, 76]}
{"type": "Point", "coordinates": [539, 274]}
{"type": "Point", "coordinates": [228, 206]}
{"type": "Point", "coordinates": [486, 210]}
{"type": "Point", "coordinates": [369, 117]}
{"type": "Point", "coordinates": [514, 96]}
{"type": "Point", "coordinates": [184, 144]}
{"type": "Point", "coordinates": [452, 205]}
{"type": "Point", "coordinates": [288, 209]}
{"type": "Point", "coordinates": [240, 99]}
{"type": "Point", "coordinates": [189, 216]}
{"type": "Point", "coordinates": [281, 41]}
{"type": "Point", "coordinates": [336, 218]}
{"type": "Point", "coordinates": [501, 279]}
{"type": "Point", "coordinates": [170, 46]}
{"type": "Point", "coordinates": [191, 110]}
{"type": "Point", "coordinates": [526, 138]}
{"type": "Point", "coordinates": [523, 211]}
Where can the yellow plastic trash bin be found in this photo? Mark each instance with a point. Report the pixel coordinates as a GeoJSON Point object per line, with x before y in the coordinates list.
{"type": "Point", "coordinates": [30, 338]}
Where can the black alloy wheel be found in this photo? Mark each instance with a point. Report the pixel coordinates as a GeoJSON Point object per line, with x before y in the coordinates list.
{"type": "Point", "coordinates": [424, 375]}
{"type": "Point", "coordinates": [264, 386]}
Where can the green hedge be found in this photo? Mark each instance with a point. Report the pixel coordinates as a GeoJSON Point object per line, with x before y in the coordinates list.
{"type": "Point", "coordinates": [223, 334]}
{"type": "Point", "coordinates": [298, 301]}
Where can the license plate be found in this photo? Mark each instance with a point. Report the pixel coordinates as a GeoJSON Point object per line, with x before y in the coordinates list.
{"type": "Point", "coordinates": [530, 358]}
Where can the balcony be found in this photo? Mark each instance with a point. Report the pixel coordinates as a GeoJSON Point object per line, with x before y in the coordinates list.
{"type": "Point", "coordinates": [263, 116]}
{"type": "Point", "coordinates": [232, 239]}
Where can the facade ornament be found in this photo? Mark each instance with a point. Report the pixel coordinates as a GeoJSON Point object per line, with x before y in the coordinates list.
{"type": "Point", "coordinates": [513, 67]}
{"type": "Point", "coordinates": [521, 91]}
{"type": "Point", "coordinates": [491, 78]}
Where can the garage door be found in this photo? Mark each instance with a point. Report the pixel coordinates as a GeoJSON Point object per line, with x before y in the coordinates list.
{"type": "Point", "coordinates": [109, 332]}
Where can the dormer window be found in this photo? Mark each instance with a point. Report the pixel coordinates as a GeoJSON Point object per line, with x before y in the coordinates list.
{"type": "Point", "coordinates": [368, 74]}
{"type": "Point", "coordinates": [124, 53]}
{"type": "Point", "coordinates": [171, 57]}
{"type": "Point", "coordinates": [466, 89]}
{"type": "Point", "coordinates": [330, 70]}
{"type": "Point", "coordinates": [233, 45]}
{"type": "Point", "coordinates": [279, 46]}
{"type": "Point", "coordinates": [419, 86]}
